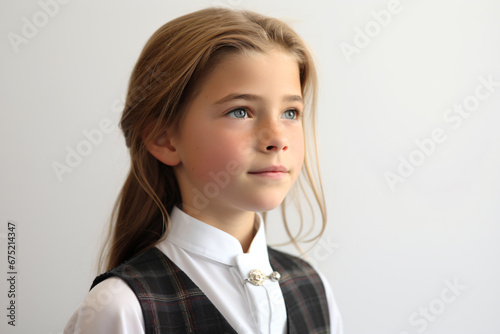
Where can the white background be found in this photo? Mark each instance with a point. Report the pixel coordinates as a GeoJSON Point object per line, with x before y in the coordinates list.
{"type": "Point", "coordinates": [387, 252]}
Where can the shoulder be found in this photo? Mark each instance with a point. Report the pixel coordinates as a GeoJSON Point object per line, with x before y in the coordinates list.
{"type": "Point", "coordinates": [110, 307]}
{"type": "Point", "coordinates": [143, 263]}
{"type": "Point", "coordinates": [142, 260]}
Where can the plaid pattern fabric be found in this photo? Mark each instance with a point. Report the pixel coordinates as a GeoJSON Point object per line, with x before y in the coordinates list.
{"type": "Point", "coordinates": [172, 303]}
{"type": "Point", "coordinates": [304, 294]}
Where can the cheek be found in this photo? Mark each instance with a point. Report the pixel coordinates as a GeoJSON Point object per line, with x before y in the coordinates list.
{"type": "Point", "coordinates": [299, 148]}
{"type": "Point", "coordinates": [213, 155]}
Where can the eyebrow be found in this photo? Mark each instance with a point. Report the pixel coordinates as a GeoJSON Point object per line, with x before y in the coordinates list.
{"type": "Point", "coordinates": [252, 97]}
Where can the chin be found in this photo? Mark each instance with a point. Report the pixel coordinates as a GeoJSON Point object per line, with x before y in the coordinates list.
{"type": "Point", "coordinates": [266, 204]}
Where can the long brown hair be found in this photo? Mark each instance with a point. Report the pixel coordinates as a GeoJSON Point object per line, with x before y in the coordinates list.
{"type": "Point", "coordinates": [174, 60]}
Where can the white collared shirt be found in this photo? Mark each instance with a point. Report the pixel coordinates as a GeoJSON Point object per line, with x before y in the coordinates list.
{"type": "Point", "coordinates": [215, 262]}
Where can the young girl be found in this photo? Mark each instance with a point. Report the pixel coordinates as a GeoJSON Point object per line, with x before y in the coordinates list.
{"type": "Point", "coordinates": [215, 120]}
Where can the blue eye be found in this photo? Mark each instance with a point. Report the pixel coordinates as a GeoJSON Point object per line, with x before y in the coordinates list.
{"type": "Point", "coordinates": [290, 114]}
{"type": "Point", "coordinates": [238, 113]}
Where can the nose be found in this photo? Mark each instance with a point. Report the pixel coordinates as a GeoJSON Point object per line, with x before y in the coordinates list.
{"type": "Point", "coordinates": [272, 137]}
{"type": "Point", "coordinates": [276, 147]}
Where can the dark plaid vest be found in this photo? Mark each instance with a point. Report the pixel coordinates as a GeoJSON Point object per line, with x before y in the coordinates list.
{"type": "Point", "coordinates": [172, 303]}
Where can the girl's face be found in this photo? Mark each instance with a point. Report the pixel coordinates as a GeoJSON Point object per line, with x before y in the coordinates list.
{"type": "Point", "coordinates": [241, 144]}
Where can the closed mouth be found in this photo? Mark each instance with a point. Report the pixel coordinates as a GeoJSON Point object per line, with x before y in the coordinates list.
{"type": "Point", "coordinates": [271, 170]}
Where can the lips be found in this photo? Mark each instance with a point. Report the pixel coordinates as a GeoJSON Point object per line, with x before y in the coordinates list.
{"type": "Point", "coordinates": [270, 169]}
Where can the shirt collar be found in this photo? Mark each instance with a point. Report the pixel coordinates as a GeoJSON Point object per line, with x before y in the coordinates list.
{"type": "Point", "coordinates": [198, 237]}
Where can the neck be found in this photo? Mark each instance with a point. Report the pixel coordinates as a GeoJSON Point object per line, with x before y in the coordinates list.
{"type": "Point", "coordinates": [239, 224]}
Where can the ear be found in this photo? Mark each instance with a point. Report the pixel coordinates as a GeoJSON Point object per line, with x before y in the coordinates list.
{"type": "Point", "coordinates": [162, 148]}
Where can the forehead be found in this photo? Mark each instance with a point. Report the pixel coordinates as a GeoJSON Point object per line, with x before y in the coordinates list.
{"type": "Point", "coordinates": [266, 74]}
